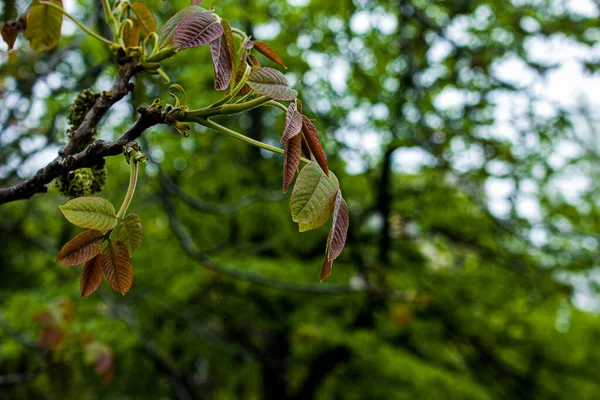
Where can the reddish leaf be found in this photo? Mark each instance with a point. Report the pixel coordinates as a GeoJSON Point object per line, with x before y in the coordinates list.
{"type": "Point", "coordinates": [339, 227]}
{"type": "Point", "coordinates": [91, 276]}
{"type": "Point", "coordinates": [268, 52]}
{"type": "Point", "coordinates": [293, 123]}
{"type": "Point", "coordinates": [291, 160]}
{"type": "Point", "coordinates": [312, 139]}
{"type": "Point", "coordinates": [131, 37]}
{"type": "Point", "coordinates": [326, 269]}
{"type": "Point", "coordinates": [116, 265]}
{"type": "Point", "coordinates": [299, 105]}
{"type": "Point", "coordinates": [254, 61]}
{"type": "Point", "coordinates": [145, 19]}
{"type": "Point", "coordinates": [305, 148]}
{"type": "Point", "coordinates": [196, 30]}
{"type": "Point", "coordinates": [105, 365]}
{"type": "Point", "coordinates": [196, 2]}
{"type": "Point", "coordinates": [51, 337]}
{"type": "Point", "coordinates": [165, 36]}
{"type": "Point", "coordinates": [221, 62]}
{"type": "Point", "coordinates": [81, 248]}
{"type": "Point", "coordinates": [9, 33]}
{"type": "Point", "coordinates": [272, 83]}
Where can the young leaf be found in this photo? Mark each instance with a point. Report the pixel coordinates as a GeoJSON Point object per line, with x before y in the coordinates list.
{"type": "Point", "coordinates": [81, 248]}
{"type": "Point", "coordinates": [293, 123]}
{"type": "Point", "coordinates": [254, 61]}
{"type": "Point", "coordinates": [91, 276]}
{"type": "Point", "coordinates": [116, 265]}
{"type": "Point", "coordinates": [196, 2]}
{"type": "Point", "coordinates": [145, 19]}
{"type": "Point", "coordinates": [312, 139]}
{"type": "Point", "coordinates": [131, 36]}
{"type": "Point", "coordinates": [313, 195]}
{"type": "Point", "coordinates": [9, 33]}
{"type": "Point", "coordinates": [337, 235]}
{"type": "Point", "coordinates": [247, 44]}
{"type": "Point", "coordinates": [228, 36]}
{"type": "Point", "coordinates": [238, 77]}
{"type": "Point", "coordinates": [196, 30]}
{"type": "Point", "coordinates": [43, 26]}
{"type": "Point", "coordinates": [339, 227]}
{"type": "Point", "coordinates": [305, 148]}
{"type": "Point", "coordinates": [90, 212]}
{"type": "Point", "coordinates": [268, 52]}
{"type": "Point", "coordinates": [165, 36]}
{"type": "Point", "coordinates": [316, 223]}
{"type": "Point", "coordinates": [291, 160]}
{"type": "Point", "coordinates": [272, 83]}
{"type": "Point", "coordinates": [221, 62]}
{"type": "Point", "coordinates": [130, 232]}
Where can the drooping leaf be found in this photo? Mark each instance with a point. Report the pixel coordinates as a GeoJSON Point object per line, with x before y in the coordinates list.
{"type": "Point", "coordinates": [144, 18]}
{"type": "Point", "coordinates": [326, 269]}
{"type": "Point", "coordinates": [9, 33]}
{"type": "Point", "coordinates": [291, 160]}
{"type": "Point", "coordinates": [165, 36]}
{"type": "Point", "coordinates": [312, 139]}
{"type": "Point", "coordinates": [90, 212]}
{"type": "Point", "coordinates": [116, 265]}
{"type": "Point", "coordinates": [305, 148]}
{"type": "Point", "coordinates": [43, 25]}
{"type": "Point", "coordinates": [130, 232]}
{"type": "Point", "coordinates": [196, 30]}
{"type": "Point", "coordinates": [81, 248]}
{"type": "Point", "coordinates": [293, 123]}
{"type": "Point", "coordinates": [268, 52]}
{"type": "Point", "coordinates": [228, 37]}
{"type": "Point", "coordinates": [91, 276]}
{"type": "Point", "coordinates": [131, 36]}
{"type": "Point", "coordinates": [313, 195]}
{"type": "Point", "coordinates": [219, 53]}
{"type": "Point", "coordinates": [339, 227]}
{"type": "Point", "coordinates": [272, 83]}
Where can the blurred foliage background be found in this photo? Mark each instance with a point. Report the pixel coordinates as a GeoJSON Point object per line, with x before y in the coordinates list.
{"type": "Point", "coordinates": [470, 270]}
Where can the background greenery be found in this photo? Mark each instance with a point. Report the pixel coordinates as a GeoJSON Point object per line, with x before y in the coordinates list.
{"type": "Point", "coordinates": [437, 295]}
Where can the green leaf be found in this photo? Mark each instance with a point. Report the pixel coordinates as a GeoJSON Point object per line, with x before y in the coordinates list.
{"type": "Point", "coordinates": [144, 17]}
{"type": "Point", "coordinates": [313, 196]}
{"type": "Point", "coordinates": [43, 25]}
{"type": "Point", "coordinates": [272, 83]}
{"type": "Point", "coordinates": [165, 36]}
{"type": "Point", "coordinates": [91, 213]}
{"type": "Point", "coordinates": [130, 232]}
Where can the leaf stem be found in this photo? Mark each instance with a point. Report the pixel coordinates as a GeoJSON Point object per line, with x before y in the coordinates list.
{"type": "Point", "coordinates": [239, 32]}
{"type": "Point", "coordinates": [228, 132]}
{"type": "Point", "coordinates": [228, 109]}
{"type": "Point", "coordinates": [277, 104]}
{"type": "Point", "coordinates": [133, 175]}
{"type": "Point", "coordinates": [166, 52]}
{"type": "Point", "coordinates": [79, 24]}
{"type": "Point", "coordinates": [235, 90]}
{"type": "Point", "coordinates": [110, 18]}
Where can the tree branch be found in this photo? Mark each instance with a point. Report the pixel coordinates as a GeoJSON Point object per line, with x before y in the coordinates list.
{"type": "Point", "coordinates": [89, 157]}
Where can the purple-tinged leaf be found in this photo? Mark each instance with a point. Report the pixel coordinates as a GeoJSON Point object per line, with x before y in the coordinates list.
{"type": "Point", "coordinates": [196, 30]}
{"type": "Point", "coordinates": [291, 160]}
{"type": "Point", "coordinates": [305, 148]}
{"type": "Point", "coordinates": [312, 138]}
{"type": "Point", "coordinates": [228, 36]}
{"type": "Point", "coordinates": [268, 52]}
{"type": "Point", "coordinates": [196, 2]}
{"type": "Point", "coordinates": [337, 235]}
{"type": "Point", "coordinates": [247, 44]}
{"type": "Point", "coordinates": [165, 36]}
{"type": "Point", "coordinates": [293, 123]}
{"type": "Point", "coordinates": [221, 62]}
{"type": "Point", "coordinates": [339, 227]}
{"type": "Point", "coordinates": [272, 83]}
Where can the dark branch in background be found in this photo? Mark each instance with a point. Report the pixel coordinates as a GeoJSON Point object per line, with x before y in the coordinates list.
{"type": "Point", "coordinates": [92, 154]}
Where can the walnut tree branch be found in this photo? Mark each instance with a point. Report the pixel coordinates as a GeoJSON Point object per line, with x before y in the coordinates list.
{"type": "Point", "coordinates": [90, 156]}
